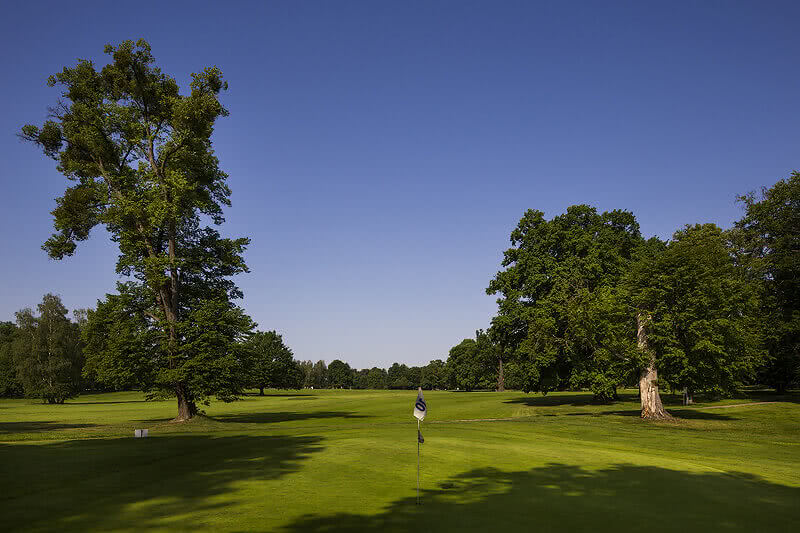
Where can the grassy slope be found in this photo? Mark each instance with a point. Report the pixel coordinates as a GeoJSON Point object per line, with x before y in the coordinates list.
{"type": "Point", "coordinates": [346, 460]}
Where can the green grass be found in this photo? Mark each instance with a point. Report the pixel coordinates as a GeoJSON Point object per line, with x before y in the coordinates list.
{"type": "Point", "coordinates": [346, 461]}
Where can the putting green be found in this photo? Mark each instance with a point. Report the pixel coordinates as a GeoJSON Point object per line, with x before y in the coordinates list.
{"type": "Point", "coordinates": [346, 461]}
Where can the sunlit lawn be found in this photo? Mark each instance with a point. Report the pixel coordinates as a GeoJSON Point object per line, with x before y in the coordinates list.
{"type": "Point", "coordinates": [346, 460]}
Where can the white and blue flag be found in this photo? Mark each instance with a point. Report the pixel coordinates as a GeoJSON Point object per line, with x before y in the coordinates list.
{"type": "Point", "coordinates": [420, 407]}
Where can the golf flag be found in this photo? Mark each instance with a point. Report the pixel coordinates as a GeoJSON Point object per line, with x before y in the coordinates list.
{"type": "Point", "coordinates": [420, 407]}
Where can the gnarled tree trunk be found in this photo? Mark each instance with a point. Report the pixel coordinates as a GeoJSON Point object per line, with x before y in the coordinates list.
{"type": "Point", "coordinates": [186, 406]}
{"type": "Point", "coordinates": [652, 408]}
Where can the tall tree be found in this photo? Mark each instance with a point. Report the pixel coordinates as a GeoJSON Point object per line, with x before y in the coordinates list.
{"type": "Point", "coordinates": [434, 375]}
{"type": "Point", "coordinates": [47, 352]}
{"type": "Point", "coordinates": [307, 373]}
{"type": "Point", "coordinates": [769, 238]}
{"type": "Point", "coordinates": [319, 375]}
{"type": "Point", "coordinates": [560, 310]}
{"type": "Point", "coordinates": [138, 154]}
{"type": "Point", "coordinates": [697, 312]}
{"type": "Point", "coordinates": [271, 362]}
{"type": "Point", "coordinates": [9, 384]}
{"type": "Point", "coordinates": [340, 375]}
{"type": "Point", "coordinates": [398, 376]}
{"type": "Point", "coordinates": [470, 365]}
{"type": "Point", "coordinates": [377, 378]}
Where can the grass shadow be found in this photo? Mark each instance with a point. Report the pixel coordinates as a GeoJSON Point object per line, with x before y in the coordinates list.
{"type": "Point", "coordinates": [35, 427]}
{"type": "Point", "coordinates": [269, 394]}
{"type": "Point", "coordinates": [136, 483]}
{"type": "Point", "coordinates": [104, 403]}
{"type": "Point", "coordinates": [578, 399]}
{"type": "Point", "coordinates": [562, 497]}
{"type": "Point", "coordinates": [283, 416]}
{"type": "Point", "coordinates": [685, 414]}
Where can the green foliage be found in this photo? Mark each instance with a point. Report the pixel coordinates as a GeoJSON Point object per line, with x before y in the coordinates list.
{"type": "Point", "coordinates": [434, 375]}
{"type": "Point", "coordinates": [125, 347]}
{"type": "Point", "coordinates": [138, 156]}
{"type": "Point", "coordinates": [47, 352]}
{"type": "Point", "coordinates": [319, 375]}
{"type": "Point", "coordinates": [306, 373]}
{"type": "Point", "coordinates": [9, 384]}
{"type": "Point", "coordinates": [340, 375]}
{"type": "Point", "coordinates": [470, 364]}
{"type": "Point", "coordinates": [377, 378]}
{"type": "Point", "coordinates": [271, 363]}
{"type": "Point", "coordinates": [121, 342]}
{"type": "Point", "coordinates": [562, 314]}
{"type": "Point", "coordinates": [704, 327]}
{"type": "Point", "coordinates": [768, 237]}
{"type": "Point", "coordinates": [398, 376]}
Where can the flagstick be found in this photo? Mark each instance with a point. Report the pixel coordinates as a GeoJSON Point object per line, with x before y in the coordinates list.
{"type": "Point", "coordinates": [418, 421]}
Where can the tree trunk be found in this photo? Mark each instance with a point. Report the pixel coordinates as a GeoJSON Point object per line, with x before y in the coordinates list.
{"type": "Point", "coordinates": [261, 393]}
{"type": "Point", "coordinates": [501, 383]}
{"type": "Point", "coordinates": [652, 408]}
{"type": "Point", "coordinates": [186, 406]}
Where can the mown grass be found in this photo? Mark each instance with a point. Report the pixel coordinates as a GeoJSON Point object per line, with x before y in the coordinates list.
{"type": "Point", "coordinates": [346, 461]}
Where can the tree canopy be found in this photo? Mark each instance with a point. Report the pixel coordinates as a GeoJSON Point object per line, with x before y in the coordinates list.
{"type": "Point", "coordinates": [704, 322]}
{"type": "Point", "coordinates": [769, 240]}
{"type": "Point", "coordinates": [271, 363]}
{"type": "Point", "coordinates": [47, 352]}
{"type": "Point", "coordinates": [560, 308]}
{"type": "Point", "coordinates": [138, 156]}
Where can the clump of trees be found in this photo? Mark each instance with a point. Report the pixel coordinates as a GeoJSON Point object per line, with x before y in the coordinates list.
{"type": "Point", "coordinates": [40, 355]}
{"type": "Point", "coordinates": [586, 303]}
{"type": "Point", "coordinates": [271, 363]}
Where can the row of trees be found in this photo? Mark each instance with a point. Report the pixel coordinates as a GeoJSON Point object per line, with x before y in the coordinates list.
{"type": "Point", "coordinates": [338, 374]}
{"type": "Point", "coordinates": [586, 303]}
{"type": "Point", "coordinates": [49, 356]}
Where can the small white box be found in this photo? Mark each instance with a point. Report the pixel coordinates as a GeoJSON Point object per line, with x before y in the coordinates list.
{"type": "Point", "coordinates": [144, 433]}
{"type": "Point", "coordinates": [137, 433]}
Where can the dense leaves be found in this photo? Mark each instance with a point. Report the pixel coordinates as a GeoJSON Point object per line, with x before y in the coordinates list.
{"type": "Point", "coordinates": [125, 347]}
{"type": "Point", "coordinates": [138, 155]}
{"type": "Point", "coordinates": [471, 364]}
{"type": "Point", "coordinates": [769, 240]}
{"type": "Point", "coordinates": [47, 353]}
{"type": "Point", "coordinates": [561, 311]}
{"type": "Point", "coordinates": [703, 308]}
{"type": "Point", "coordinates": [9, 384]}
{"type": "Point", "coordinates": [271, 363]}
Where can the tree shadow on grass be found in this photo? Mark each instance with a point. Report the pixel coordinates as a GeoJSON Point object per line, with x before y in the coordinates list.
{"type": "Point", "coordinates": [104, 403]}
{"type": "Point", "coordinates": [575, 399]}
{"type": "Point", "coordinates": [269, 417]}
{"type": "Point", "coordinates": [585, 399]}
{"type": "Point", "coordinates": [275, 417]}
{"type": "Point", "coordinates": [111, 484]}
{"type": "Point", "coordinates": [561, 497]}
{"type": "Point", "coordinates": [35, 427]}
{"type": "Point", "coordinates": [276, 394]}
{"type": "Point", "coordinates": [684, 414]}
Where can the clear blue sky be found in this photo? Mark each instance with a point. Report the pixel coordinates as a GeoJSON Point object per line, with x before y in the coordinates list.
{"type": "Point", "coordinates": [380, 153]}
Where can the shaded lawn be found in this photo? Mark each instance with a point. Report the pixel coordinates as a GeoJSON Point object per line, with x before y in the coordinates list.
{"type": "Point", "coordinates": [347, 461]}
{"type": "Point", "coordinates": [560, 497]}
{"type": "Point", "coordinates": [105, 484]}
